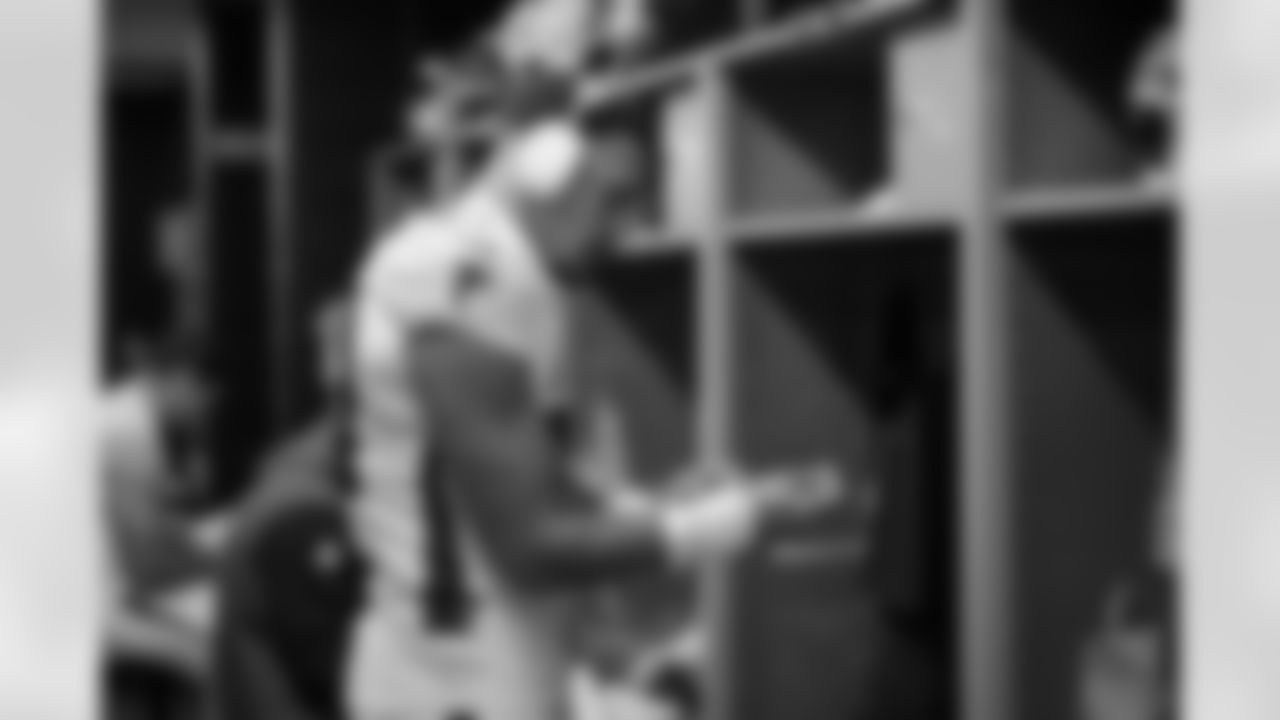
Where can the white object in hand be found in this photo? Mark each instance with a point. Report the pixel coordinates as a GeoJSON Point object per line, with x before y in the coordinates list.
{"type": "Point", "coordinates": [711, 527]}
{"type": "Point", "coordinates": [800, 494]}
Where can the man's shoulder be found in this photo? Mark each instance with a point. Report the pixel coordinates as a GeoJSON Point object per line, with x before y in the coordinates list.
{"type": "Point", "coordinates": [423, 243]}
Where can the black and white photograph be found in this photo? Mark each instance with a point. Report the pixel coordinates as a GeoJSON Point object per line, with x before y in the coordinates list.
{"type": "Point", "coordinates": [641, 360]}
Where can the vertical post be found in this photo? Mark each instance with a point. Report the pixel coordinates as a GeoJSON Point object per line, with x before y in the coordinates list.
{"type": "Point", "coordinates": [715, 372]}
{"type": "Point", "coordinates": [985, 509]}
{"type": "Point", "coordinates": [200, 120]}
{"type": "Point", "coordinates": [281, 362]}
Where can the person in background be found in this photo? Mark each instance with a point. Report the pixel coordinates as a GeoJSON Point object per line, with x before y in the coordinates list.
{"type": "Point", "coordinates": [287, 588]}
{"type": "Point", "coordinates": [154, 474]}
{"type": "Point", "coordinates": [1130, 667]}
{"type": "Point", "coordinates": [1153, 102]}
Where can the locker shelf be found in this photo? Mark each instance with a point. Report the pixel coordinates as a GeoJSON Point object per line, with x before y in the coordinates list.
{"type": "Point", "coordinates": [849, 225]}
{"type": "Point", "coordinates": [823, 29]}
{"type": "Point", "coordinates": [651, 242]}
{"type": "Point", "coordinates": [1089, 202]}
{"type": "Point", "coordinates": [625, 87]}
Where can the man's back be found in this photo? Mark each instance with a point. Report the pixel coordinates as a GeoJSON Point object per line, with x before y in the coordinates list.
{"type": "Point", "coordinates": [474, 271]}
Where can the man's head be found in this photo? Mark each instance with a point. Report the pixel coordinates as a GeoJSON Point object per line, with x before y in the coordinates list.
{"type": "Point", "coordinates": [572, 189]}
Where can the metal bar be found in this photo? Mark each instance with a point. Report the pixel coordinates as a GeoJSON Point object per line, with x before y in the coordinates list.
{"type": "Point", "coordinates": [985, 661]}
{"type": "Point", "coordinates": [715, 374]}
{"type": "Point", "coordinates": [282, 262]}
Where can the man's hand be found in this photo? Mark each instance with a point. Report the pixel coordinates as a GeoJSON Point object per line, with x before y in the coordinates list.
{"type": "Point", "coordinates": [799, 494]}
{"type": "Point", "coordinates": [721, 521]}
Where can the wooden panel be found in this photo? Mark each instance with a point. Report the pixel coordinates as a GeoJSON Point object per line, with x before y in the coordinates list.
{"type": "Point", "coordinates": [1093, 320]}
{"type": "Point", "coordinates": [811, 135]}
{"type": "Point", "coordinates": [638, 351]}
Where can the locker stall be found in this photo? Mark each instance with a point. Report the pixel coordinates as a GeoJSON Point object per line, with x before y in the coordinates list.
{"type": "Point", "coordinates": [956, 284]}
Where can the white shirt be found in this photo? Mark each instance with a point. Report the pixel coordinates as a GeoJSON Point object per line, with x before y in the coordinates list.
{"type": "Point", "coordinates": [475, 269]}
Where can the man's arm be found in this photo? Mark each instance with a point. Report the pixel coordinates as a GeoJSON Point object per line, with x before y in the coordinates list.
{"type": "Point", "coordinates": [505, 469]}
{"type": "Point", "coordinates": [137, 636]}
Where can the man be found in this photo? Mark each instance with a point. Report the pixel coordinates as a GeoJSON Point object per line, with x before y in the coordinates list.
{"type": "Point", "coordinates": [154, 473]}
{"type": "Point", "coordinates": [288, 584]}
{"type": "Point", "coordinates": [461, 490]}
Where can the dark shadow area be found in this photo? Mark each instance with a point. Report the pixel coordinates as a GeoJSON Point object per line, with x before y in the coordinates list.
{"type": "Point", "coordinates": [146, 168]}
{"type": "Point", "coordinates": [641, 327]}
{"type": "Point", "coordinates": [1069, 74]}
{"type": "Point", "coordinates": [843, 352]}
{"type": "Point", "coordinates": [1094, 398]}
{"type": "Point", "coordinates": [1115, 280]}
{"type": "Point", "coordinates": [240, 227]}
{"type": "Point", "coordinates": [810, 134]}
{"type": "Point", "coordinates": [236, 33]}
